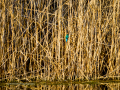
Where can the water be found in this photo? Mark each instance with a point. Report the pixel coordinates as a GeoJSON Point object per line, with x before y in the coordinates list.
{"type": "Point", "coordinates": [61, 86]}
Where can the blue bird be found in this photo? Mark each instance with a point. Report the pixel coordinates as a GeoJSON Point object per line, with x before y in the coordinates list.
{"type": "Point", "coordinates": [66, 37]}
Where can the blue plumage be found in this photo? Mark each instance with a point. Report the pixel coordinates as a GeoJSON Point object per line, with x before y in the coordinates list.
{"type": "Point", "coordinates": [66, 40]}
{"type": "Point", "coordinates": [66, 37]}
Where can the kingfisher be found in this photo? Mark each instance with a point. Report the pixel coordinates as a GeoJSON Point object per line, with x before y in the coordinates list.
{"type": "Point", "coordinates": [66, 37]}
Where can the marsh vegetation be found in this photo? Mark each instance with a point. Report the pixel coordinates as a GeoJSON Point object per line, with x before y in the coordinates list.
{"type": "Point", "coordinates": [33, 45]}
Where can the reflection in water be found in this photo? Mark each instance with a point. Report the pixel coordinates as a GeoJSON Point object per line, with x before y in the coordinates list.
{"type": "Point", "coordinates": [33, 86]}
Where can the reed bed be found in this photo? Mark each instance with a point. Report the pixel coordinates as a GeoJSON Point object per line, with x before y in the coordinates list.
{"type": "Point", "coordinates": [33, 46]}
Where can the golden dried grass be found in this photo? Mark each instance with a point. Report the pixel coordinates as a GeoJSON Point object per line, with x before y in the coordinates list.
{"type": "Point", "coordinates": [33, 46]}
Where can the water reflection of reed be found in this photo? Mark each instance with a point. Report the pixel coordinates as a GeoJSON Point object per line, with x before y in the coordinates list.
{"type": "Point", "coordinates": [33, 46]}
{"type": "Point", "coordinates": [104, 86]}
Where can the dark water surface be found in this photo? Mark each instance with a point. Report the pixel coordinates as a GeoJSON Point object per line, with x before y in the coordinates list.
{"type": "Point", "coordinates": [104, 85]}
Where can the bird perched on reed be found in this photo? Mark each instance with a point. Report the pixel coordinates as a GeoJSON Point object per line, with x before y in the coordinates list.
{"type": "Point", "coordinates": [66, 37]}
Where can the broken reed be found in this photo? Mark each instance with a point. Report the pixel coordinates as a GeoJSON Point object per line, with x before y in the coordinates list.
{"type": "Point", "coordinates": [33, 46]}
